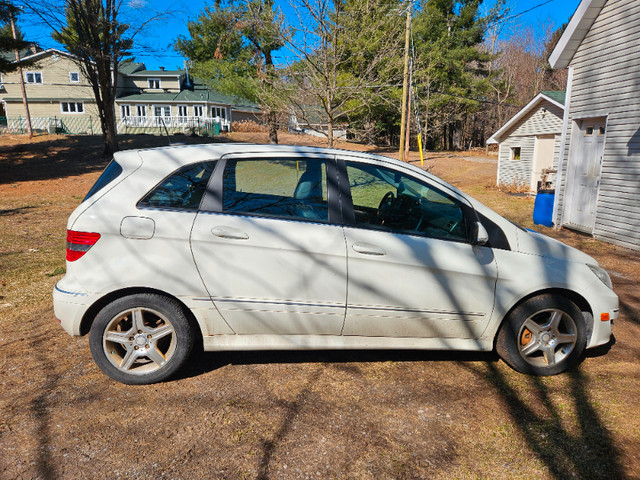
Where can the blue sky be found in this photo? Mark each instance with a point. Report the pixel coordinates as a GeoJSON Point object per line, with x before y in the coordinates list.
{"type": "Point", "coordinates": [155, 47]}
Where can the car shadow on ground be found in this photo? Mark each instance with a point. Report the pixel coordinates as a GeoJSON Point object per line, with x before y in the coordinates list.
{"type": "Point", "coordinates": [205, 362]}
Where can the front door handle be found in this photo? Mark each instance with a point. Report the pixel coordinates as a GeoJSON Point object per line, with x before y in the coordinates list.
{"type": "Point", "coordinates": [368, 249]}
{"type": "Point", "coordinates": [228, 232]}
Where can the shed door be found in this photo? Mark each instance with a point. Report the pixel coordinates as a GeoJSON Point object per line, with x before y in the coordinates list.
{"type": "Point", "coordinates": [542, 159]}
{"type": "Point", "coordinates": [583, 179]}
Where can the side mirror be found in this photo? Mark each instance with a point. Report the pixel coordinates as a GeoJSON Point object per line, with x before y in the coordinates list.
{"type": "Point", "coordinates": [481, 235]}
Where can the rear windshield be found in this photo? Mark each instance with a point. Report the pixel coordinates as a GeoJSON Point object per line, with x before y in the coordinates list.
{"type": "Point", "coordinates": [110, 173]}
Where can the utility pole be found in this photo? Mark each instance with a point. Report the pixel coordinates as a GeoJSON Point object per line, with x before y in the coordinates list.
{"type": "Point", "coordinates": [407, 128]}
{"type": "Point", "coordinates": [22, 87]}
{"type": "Point", "coordinates": [405, 81]}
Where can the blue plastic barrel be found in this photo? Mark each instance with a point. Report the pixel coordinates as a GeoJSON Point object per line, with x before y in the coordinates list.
{"type": "Point", "coordinates": [543, 208]}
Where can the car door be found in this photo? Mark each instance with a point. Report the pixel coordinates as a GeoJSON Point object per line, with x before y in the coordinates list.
{"type": "Point", "coordinates": [269, 247]}
{"type": "Point", "coordinates": [411, 270]}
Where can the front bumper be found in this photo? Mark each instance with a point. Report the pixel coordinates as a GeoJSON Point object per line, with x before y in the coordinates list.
{"type": "Point", "coordinates": [603, 301]}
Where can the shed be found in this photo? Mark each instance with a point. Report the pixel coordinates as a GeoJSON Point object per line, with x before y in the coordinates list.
{"type": "Point", "coordinates": [530, 141]}
{"type": "Point", "coordinates": [599, 163]}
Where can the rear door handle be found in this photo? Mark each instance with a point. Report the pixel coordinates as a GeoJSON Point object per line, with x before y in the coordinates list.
{"type": "Point", "coordinates": [368, 249]}
{"type": "Point", "coordinates": [228, 232]}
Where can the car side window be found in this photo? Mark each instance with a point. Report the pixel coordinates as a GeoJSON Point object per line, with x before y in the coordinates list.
{"type": "Point", "coordinates": [389, 200]}
{"type": "Point", "coordinates": [181, 190]}
{"type": "Point", "coordinates": [290, 188]}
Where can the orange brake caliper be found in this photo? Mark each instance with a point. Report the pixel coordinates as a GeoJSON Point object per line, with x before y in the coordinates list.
{"type": "Point", "coordinates": [526, 337]}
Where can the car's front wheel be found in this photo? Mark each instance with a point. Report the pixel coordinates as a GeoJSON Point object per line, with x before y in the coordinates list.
{"type": "Point", "coordinates": [141, 339]}
{"type": "Point", "coordinates": [544, 335]}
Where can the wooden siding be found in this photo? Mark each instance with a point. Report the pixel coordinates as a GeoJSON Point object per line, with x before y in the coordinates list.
{"type": "Point", "coordinates": [170, 84]}
{"type": "Point", "coordinates": [606, 83]}
{"type": "Point", "coordinates": [240, 116]}
{"type": "Point", "coordinates": [56, 84]}
{"type": "Point", "coordinates": [51, 109]}
{"type": "Point", "coordinates": [55, 71]}
{"type": "Point", "coordinates": [523, 135]}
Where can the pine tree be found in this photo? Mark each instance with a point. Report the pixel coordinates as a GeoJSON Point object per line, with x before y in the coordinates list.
{"type": "Point", "coordinates": [231, 46]}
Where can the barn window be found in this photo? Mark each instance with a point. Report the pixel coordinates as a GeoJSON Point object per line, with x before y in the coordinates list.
{"type": "Point", "coordinates": [588, 131]}
{"type": "Point", "coordinates": [515, 153]}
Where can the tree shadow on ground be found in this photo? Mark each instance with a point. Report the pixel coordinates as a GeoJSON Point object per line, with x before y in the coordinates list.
{"type": "Point", "coordinates": [547, 425]}
{"type": "Point", "coordinates": [61, 156]}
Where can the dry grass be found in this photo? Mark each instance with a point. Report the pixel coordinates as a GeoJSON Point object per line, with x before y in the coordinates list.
{"type": "Point", "coordinates": [290, 415]}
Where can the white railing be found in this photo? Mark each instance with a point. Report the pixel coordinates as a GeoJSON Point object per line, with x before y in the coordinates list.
{"type": "Point", "coordinates": [174, 122]}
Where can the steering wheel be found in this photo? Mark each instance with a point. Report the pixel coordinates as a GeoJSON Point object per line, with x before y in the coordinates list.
{"type": "Point", "coordinates": [384, 208]}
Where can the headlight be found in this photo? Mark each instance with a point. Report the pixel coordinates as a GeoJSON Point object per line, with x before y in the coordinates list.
{"type": "Point", "coordinates": [602, 275]}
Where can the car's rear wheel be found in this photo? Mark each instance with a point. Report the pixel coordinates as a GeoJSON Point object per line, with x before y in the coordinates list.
{"type": "Point", "coordinates": [141, 339]}
{"type": "Point", "coordinates": [544, 335]}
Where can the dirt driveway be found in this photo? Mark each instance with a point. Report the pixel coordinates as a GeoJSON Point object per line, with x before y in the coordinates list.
{"type": "Point", "coordinates": [360, 415]}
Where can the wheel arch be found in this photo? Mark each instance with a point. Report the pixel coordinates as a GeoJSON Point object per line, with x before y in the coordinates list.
{"type": "Point", "coordinates": [581, 302]}
{"type": "Point", "coordinates": [93, 310]}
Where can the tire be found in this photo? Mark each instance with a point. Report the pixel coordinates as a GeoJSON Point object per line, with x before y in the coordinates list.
{"type": "Point", "coordinates": [545, 335]}
{"type": "Point", "coordinates": [141, 339]}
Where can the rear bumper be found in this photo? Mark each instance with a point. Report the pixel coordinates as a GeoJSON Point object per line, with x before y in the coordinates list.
{"type": "Point", "coordinates": [69, 308]}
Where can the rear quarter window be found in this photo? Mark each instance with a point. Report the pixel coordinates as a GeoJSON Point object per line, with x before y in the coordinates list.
{"type": "Point", "coordinates": [182, 190]}
{"type": "Point", "coordinates": [109, 174]}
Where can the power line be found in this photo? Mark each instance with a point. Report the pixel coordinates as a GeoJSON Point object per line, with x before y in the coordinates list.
{"type": "Point", "coordinates": [528, 10]}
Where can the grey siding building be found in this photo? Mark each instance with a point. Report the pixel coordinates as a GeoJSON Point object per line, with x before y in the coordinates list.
{"type": "Point", "coordinates": [599, 162]}
{"type": "Point", "coordinates": [530, 141]}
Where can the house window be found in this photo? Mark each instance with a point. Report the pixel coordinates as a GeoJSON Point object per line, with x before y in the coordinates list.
{"type": "Point", "coordinates": [162, 110]}
{"type": "Point", "coordinates": [34, 77]}
{"type": "Point", "coordinates": [125, 111]}
{"type": "Point", "coordinates": [141, 110]}
{"type": "Point", "coordinates": [72, 107]}
{"type": "Point", "coordinates": [162, 115]}
{"type": "Point", "coordinates": [182, 111]}
{"type": "Point", "coordinates": [198, 111]}
{"type": "Point", "coordinates": [154, 83]}
{"type": "Point", "coordinates": [74, 77]}
{"type": "Point", "coordinates": [220, 112]}
{"type": "Point", "coordinates": [515, 153]}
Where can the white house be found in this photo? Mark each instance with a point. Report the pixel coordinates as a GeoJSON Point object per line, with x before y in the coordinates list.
{"type": "Point", "coordinates": [530, 141]}
{"type": "Point", "coordinates": [599, 163]}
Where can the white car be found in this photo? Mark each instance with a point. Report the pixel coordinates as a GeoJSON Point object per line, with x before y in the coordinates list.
{"type": "Point", "coordinates": [254, 247]}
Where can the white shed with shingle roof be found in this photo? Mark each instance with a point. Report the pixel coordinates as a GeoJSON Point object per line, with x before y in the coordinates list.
{"type": "Point", "coordinates": [530, 141]}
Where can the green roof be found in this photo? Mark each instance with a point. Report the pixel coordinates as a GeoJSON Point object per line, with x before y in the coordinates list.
{"type": "Point", "coordinates": [127, 68]}
{"type": "Point", "coordinates": [199, 93]}
{"type": "Point", "coordinates": [558, 96]}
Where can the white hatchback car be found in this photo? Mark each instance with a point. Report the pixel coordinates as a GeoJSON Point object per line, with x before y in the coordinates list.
{"type": "Point", "coordinates": [254, 247]}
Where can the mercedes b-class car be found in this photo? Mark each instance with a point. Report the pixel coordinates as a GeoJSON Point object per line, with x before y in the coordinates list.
{"type": "Point", "coordinates": [253, 247]}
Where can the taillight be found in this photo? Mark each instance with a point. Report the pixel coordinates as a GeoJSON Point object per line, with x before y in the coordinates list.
{"type": "Point", "coordinates": [79, 243]}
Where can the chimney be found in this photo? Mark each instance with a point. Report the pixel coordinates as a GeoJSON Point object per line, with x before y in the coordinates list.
{"type": "Point", "coordinates": [162, 69]}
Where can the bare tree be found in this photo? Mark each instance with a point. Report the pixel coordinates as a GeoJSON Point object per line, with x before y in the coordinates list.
{"type": "Point", "coordinates": [346, 54]}
{"type": "Point", "coordinates": [95, 33]}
